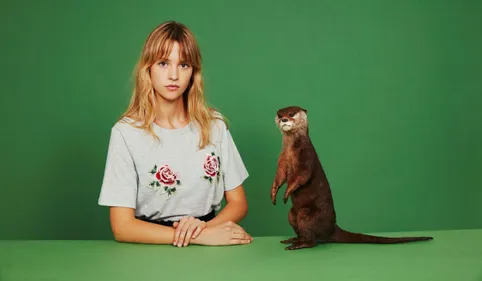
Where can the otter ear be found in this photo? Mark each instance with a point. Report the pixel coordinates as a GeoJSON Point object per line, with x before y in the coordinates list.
{"type": "Point", "coordinates": [305, 110]}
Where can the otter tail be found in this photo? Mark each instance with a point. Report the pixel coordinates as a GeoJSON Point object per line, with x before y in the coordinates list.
{"type": "Point", "coordinates": [343, 236]}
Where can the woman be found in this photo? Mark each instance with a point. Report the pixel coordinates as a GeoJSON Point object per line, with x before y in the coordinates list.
{"type": "Point", "coordinates": [171, 159]}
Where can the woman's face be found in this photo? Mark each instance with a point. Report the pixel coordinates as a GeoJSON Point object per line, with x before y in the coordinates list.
{"type": "Point", "coordinates": [171, 77]}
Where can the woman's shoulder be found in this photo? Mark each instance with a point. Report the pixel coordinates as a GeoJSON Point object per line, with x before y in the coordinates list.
{"type": "Point", "coordinates": [127, 125]}
{"type": "Point", "coordinates": [219, 123]}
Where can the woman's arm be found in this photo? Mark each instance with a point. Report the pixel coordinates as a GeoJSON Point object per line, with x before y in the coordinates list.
{"type": "Point", "coordinates": [235, 210]}
{"type": "Point", "coordinates": [126, 228]}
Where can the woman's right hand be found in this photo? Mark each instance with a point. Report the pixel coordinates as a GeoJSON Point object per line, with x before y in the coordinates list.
{"type": "Point", "coordinates": [227, 233]}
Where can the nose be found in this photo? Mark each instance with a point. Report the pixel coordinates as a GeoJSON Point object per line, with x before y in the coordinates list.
{"type": "Point", "coordinates": [284, 119]}
{"type": "Point", "coordinates": [173, 73]}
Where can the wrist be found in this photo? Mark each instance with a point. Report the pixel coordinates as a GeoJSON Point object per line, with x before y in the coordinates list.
{"type": "Point", "coordinates": [200, 239]}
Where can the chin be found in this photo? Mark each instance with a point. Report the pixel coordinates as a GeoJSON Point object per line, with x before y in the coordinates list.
{"type": "Point", "coordinates": [171, 96]}
{"type": "Point", "coordinates": [286, 128]}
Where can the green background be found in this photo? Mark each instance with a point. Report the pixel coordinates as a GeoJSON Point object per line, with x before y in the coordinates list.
{"type": "Point", "coordinates": [392, 90]}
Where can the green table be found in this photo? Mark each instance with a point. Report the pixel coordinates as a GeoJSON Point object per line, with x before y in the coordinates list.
{"type": "Point", "coordinates": [454, 255]}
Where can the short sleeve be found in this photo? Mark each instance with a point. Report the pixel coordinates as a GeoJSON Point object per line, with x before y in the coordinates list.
{"type": "Point", "coordinates": [233, 169]}
{"type": "Point", "coordinates": [119, 186]}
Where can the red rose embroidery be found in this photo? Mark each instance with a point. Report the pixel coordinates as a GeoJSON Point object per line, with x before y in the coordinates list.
{"type": "Point", "coordinates": [165, 178]}
{"type": "Point", "coordinates": [211, 167]}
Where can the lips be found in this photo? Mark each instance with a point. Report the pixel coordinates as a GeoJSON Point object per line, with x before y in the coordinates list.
{"type": "Point", "coordinates": [172, 87]}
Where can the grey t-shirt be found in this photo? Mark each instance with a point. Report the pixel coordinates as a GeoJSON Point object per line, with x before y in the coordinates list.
{"type": "Point", "coordinates": [170, 178]}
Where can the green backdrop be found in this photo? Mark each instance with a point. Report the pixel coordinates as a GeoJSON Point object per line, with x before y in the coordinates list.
{"type": "Point", "coordinates": [392, 90]}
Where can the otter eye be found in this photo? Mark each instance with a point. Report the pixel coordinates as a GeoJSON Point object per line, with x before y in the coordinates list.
{"type": "Point", "coordinates": [291, 114]}
{"type": "Point", "coordinates": [279, 116]}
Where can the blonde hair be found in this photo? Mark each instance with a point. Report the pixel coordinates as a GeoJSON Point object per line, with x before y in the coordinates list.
{"type": "Point", "coordinates": [157, 46]}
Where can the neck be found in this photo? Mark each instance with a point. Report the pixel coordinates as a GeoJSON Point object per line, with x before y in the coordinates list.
{"type": "Point", "coordinates": [171, 114]}
{"type": "Point", "coordinates": [290, 138]}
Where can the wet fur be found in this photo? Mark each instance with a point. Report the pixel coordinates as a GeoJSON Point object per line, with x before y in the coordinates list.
{"type": "Point", "coordinates": [312, 215]}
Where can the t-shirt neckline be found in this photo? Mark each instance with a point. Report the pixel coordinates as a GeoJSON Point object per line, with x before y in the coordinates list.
{"type": "Point", "coordinates": [181, 130]}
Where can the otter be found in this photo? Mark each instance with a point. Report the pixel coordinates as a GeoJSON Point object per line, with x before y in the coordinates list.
{"type": "Point", "coordinates": [312, 215]}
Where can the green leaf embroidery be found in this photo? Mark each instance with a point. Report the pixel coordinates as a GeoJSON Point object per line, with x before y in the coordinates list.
{"type": "Point", "coordinates": [154, 170]}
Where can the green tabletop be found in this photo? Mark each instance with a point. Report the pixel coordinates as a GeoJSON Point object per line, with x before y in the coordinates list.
{"type": "Point", "coordinates": [454, 255]}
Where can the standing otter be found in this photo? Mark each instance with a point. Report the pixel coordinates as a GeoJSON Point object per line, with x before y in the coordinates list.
{"type": "Point", "coordinates": [312, 216]}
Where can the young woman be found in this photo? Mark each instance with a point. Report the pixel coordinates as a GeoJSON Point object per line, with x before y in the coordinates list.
{"type": "Point", "coordinates": [171, 159]}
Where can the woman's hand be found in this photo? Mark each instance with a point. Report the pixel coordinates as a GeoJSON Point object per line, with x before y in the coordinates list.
{"type": "Point", "coordinates": [227, 233]}
{"type": "Point", "coordinates": [186, 229]}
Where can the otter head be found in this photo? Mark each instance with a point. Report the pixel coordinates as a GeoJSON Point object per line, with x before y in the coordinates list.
{"type": "Point", "coordinates": [292, 119]}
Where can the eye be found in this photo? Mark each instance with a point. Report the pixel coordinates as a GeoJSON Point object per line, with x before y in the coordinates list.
{"type": "Point", "coordinates": [184, 65]}
{"type": "Point", "coordinates": [279, 116]}
{"type": "Point", "coordinates": [163, 63]}
{"type": "Point", "coordinates": [291, 114]}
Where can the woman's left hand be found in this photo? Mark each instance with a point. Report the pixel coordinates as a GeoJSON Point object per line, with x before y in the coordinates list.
{"type": "Point", "coordinates": [187, 228]}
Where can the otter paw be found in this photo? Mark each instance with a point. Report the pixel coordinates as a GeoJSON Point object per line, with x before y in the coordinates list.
{"type": "Point", "coordinates": [290, 240]}
{"type": "Point", "coordinates": [300, 245]}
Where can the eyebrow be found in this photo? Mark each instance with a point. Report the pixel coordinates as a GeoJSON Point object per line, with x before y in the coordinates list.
{"type": "Point", "coordinates": [181, 60]}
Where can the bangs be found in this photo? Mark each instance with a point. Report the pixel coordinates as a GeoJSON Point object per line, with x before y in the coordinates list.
{"type": "Point", "coordinates": [188, 50]}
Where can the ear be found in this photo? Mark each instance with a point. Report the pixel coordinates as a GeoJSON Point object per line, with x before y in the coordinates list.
{"type": "Point", "coordinates": [305, 110]}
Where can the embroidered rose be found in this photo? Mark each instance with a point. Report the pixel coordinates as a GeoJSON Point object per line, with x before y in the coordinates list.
{"type": "Point", "coordinates": [211, 167]}
{"type": "Point", "coordinates": [165, 178]}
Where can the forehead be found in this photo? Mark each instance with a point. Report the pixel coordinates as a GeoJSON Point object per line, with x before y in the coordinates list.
{"type": "Point", "coordinates": [174, 50]}
{"type": "Point", "coordinates": [170, 49]}
{"type": "Point", "coordinates": [287, 110]}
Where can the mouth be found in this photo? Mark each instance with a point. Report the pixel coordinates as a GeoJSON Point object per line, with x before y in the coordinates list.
{"type": "Point", "coordinates": [285, 127]}
{"type": "Point", "coordinates": [172, 87]}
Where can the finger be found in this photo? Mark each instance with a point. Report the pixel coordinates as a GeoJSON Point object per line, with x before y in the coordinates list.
{"type": "Point", "coordinates": [198, 230]}
{"type": "Point", "coordinates": [189, 232]}
{"type": "Point", "coordinates": [182, 234]}
{"type": "Point", "coordinates": [241, 235]}
{"type": "Point", "coordinates": [178, 230]}
{"type": "Point", "coordinates": [236, 235]}
{"type": "Point", "coordinates": [239, 241]}
{"type": "Point", "coordinates": [175, 224]}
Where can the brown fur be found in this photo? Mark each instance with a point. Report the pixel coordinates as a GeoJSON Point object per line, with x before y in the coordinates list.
{"type": "Point", "coordinates": [312, 216]}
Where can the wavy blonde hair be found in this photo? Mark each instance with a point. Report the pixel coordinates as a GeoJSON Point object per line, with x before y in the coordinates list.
{"type": "Point", "coordinates": [157, 46]}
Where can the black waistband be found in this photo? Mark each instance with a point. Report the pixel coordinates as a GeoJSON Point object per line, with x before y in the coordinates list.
{"type": "Point", "coordinates": [205, 218]}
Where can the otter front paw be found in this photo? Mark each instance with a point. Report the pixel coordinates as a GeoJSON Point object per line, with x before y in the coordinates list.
{"type": "Point", "coordinates": [273, 195]}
